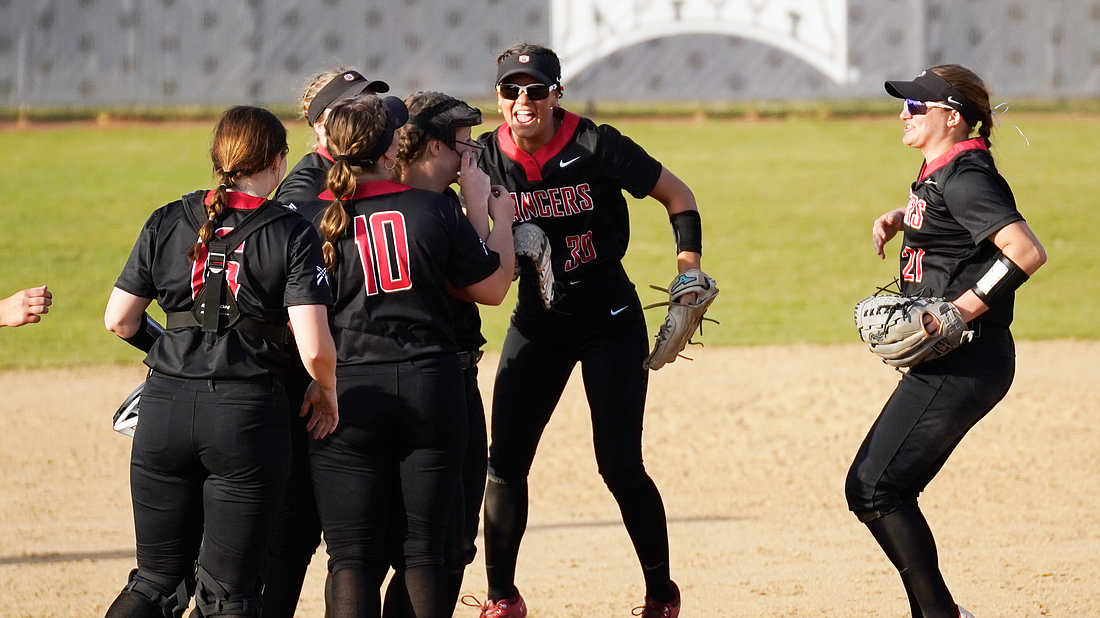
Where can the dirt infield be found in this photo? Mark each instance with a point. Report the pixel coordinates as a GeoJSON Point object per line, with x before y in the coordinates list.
{"type": "Point", "coordinates": [751, 463]}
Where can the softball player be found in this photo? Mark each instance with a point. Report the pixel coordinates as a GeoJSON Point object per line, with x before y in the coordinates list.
{"type": "Point", "coordinates": [567, 175]}
{"type": "Point", "coordinates": [435, 151]}
{"type": "Point", "coordinates": [392, 252]}
{"type": "Point", "coordinates": [298, 531]}
{"type": "Point", "coordinates": [964, 240]}
{"type": "Point", "coordinates": [212, 451]}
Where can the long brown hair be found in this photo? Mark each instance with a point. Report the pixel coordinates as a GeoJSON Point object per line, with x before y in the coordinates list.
{"type": "Point", "coordinates": [414, 141]}
{"type": "Point", "coordinates": [973, 90]}
{"type": "Point", "coordinates": [353, 128]}
{"type": "Point", "coordinates": [247, 141]}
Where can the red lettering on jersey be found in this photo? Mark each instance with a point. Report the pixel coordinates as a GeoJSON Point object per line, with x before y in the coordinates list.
{"type": "Point", "coordinates": [391, 248]}
{"type": "Point", "coordinates": [569, 201]}
{"type": "Point", "coordinates": [528, 210]}
{"type": "Point", "coordinates": [914, 268]}
{"type": "Point", "coordinates": [542, 202]}
{"type": "Point", "coordinates": [366, 256]}
{"type": "Point", "coordinates": [914, 211]}
{"type": "Point", "coordinates": [555, 203]}
{"type": "Point", "coordinates": [383, 245]}
{"type": "Point", "coordinates": [232, 269]}
{"type": "Point", "coordinates": [581, 250]}
{"type": "Point", "coordinates": [585, 199]}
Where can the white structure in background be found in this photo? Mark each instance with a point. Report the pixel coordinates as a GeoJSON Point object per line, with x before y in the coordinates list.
{"type": "Point", "coordinates": [816, 31]}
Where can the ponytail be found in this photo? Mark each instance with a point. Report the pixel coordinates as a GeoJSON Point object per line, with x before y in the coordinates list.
{"type": "Point", "coordinates": [973, 89]}
{"type": "Point", "coordinates": [219, 201]}
{"type": "Point", "coordinates": [247, 141]}
{"type": "Point", "coordinates": [340, 181]}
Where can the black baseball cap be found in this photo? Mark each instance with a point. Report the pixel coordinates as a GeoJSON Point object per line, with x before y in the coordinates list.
{"type": "Point", "coordinates": [441, 120]}
{"type": "Point", "coordinates": [931, 87]}
{"type": "Point", "coordinates": [540, 67]}
{"type": "Point", "coordinates": [344, 86]}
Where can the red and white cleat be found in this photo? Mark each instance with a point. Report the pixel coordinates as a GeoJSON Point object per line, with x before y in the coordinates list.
{"type": "Point", "coordinates": [963, 613]}
{"type": "Point", "coordinates": [656, 609]}
{"type": "Point", "coordinates": [504, 608]}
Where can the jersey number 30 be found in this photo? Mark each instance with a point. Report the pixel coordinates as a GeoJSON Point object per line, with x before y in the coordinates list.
{"type": "Point", "coordinates": [384, 252]}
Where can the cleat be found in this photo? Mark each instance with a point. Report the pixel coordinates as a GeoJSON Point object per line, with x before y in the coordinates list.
{"type": "Point", "coordinates": [656, 609]}
{"type": "Point", "coordinates": [963, 613]}
{"type": "Point", "coordinates": [504, 608]}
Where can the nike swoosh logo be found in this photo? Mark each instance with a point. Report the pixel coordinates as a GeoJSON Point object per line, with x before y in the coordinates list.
{"type": "Point", "coordinates": [618, 311]}
{"type": "Point", "coordinates": [569, 162]}
{"type": "Point", "coordinates": [951, 99]}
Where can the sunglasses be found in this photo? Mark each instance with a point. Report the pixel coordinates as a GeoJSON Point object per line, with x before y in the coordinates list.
{"type": "Point", "coordinates": [919, 108]}
{"type": "Point", "coordinates": [534, 92]}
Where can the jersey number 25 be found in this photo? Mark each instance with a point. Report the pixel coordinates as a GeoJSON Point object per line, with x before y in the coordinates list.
{"type": "Point", "coordinates": [384, 252]}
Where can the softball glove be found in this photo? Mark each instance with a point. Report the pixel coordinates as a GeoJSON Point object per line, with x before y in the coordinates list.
{"type": "Point", "coordinates": [683, 316]}
{"type": "Point", "coordinates": [896, 329]}
{"type": "Point", "coordinates": [533, 246]}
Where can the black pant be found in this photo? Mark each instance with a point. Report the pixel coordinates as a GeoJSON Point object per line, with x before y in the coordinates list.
{"type": "Point", "coordinates": [298, 530]}
{"type": "Point", "coordinates": [401, 425]}
{"type": "Point", "coordinates": [929, 413]}
{"type": "Point", "coordinates": [599, 324]}
{"type": "Point", "coordinates": [208, 468]}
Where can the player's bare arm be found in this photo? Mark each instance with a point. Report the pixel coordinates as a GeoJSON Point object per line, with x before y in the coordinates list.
{"type": "Point", "coordinates": [492, 289]}
{"type": "Point", "coordinates": [124, 313]}
{"type": "Point", "coordinates": [318, 352]}
{"type": "Point", "coordinates": [25, 306]}
{"type": "Point", "coordinates": [1020, 245]}
{"type": "Point", "coordinates": [474, 186]}
{"type": "Point", "coordinates": [677, 197]}
{"type": "Point", "coordinates": [886, 227]}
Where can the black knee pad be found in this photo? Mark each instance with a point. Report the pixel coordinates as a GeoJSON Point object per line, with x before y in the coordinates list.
{"type": "Point", "coordinates": [212, 599]}
{"type": "Point", "coordinates": [170, 597]}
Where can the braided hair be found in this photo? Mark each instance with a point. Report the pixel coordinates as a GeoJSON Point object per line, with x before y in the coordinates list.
{"type": "Point", "coordinates": [247, 141]}
{"type": "Point", "coordinates": [353, 128]}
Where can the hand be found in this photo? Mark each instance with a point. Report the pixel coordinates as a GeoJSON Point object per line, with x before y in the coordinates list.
{"type": "Point", "coordinates": [320, 403]}
{"type": "Point", "coordinates": [25, 306]}
{"type": "Point", "coordinates": [502, 208]}
{"type": "Point", "coordinates": [884, 228]}
{"type": "Point", "coordinates": [473, 183]}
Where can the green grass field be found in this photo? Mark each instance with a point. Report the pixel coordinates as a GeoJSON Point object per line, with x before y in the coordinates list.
{"type": "Point", "coordinates": [787, 206]}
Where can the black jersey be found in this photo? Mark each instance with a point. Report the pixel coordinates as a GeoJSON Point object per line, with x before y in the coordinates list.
{"type": "Point", "coordinates": [300, 188]}
{"type": "Point", "coordinates": [573, 188]}
{"type": "Point", "coordinates": [466, 316]}
{"type": "Point", "coordinates": [958, 201]}
{"type": "Point", "coordinates": [278, 266]}
{"type": "Point", "coordinates": [397, 255]}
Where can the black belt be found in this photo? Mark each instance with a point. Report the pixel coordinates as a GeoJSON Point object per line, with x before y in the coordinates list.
{"type": "Point", "coordinates": [990, 331]}
{"type": "Point", "coordinates": [470, 358]}
{"type": "Point", "coordinates": [257, 328]}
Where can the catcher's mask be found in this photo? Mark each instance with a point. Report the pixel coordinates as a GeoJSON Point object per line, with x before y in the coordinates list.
{"type": "Point", "coordinates": [441, 120]}
{"type": "Point", "coordinates": [126, 418]}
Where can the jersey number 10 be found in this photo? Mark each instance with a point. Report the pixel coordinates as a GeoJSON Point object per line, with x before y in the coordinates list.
{"type": "Point", "coordinates": [384, 252]}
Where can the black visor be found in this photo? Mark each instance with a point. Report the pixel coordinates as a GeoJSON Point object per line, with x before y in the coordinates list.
{"type": "Point", "coordinates": [931, 87]}
{"type": "Point", "coordinates": [344, 86]}
{"type": "Point", "coordinates": [396, 117]}
{"type": "Point", "coordinates": [441, 119]}
{"type": "Point", "coordinates": [541, 68]}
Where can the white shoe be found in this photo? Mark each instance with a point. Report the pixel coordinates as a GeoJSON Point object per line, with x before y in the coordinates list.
{"type": "Point", "coordinates": [963, 613]}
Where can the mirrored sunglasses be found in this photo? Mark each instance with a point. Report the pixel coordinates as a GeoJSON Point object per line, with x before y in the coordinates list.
{"type": "Point", "coordinates": [535, 92]}
{"type": "Point", "coordinates": [919, 108]}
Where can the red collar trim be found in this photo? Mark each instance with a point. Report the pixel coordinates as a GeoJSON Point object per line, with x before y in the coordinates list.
{"type": "Point", "coordinates": [321, 150]}
{"type": "Point", "coordinates": [532, 164]}
{"type": "Point", "coordinates": [238, 200]}
{"type": "Point", "coordinates": [373, 188]}
{"type": "Point", "coordinates": [978, 143]}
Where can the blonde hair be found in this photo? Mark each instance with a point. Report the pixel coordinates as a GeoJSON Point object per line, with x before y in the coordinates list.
{"type": "Point", "coordinates": [314, 85]}
{"type": "Point", "coordinates": [353, 128]}
{"type": "Point", "coordinates": [247, 141]}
